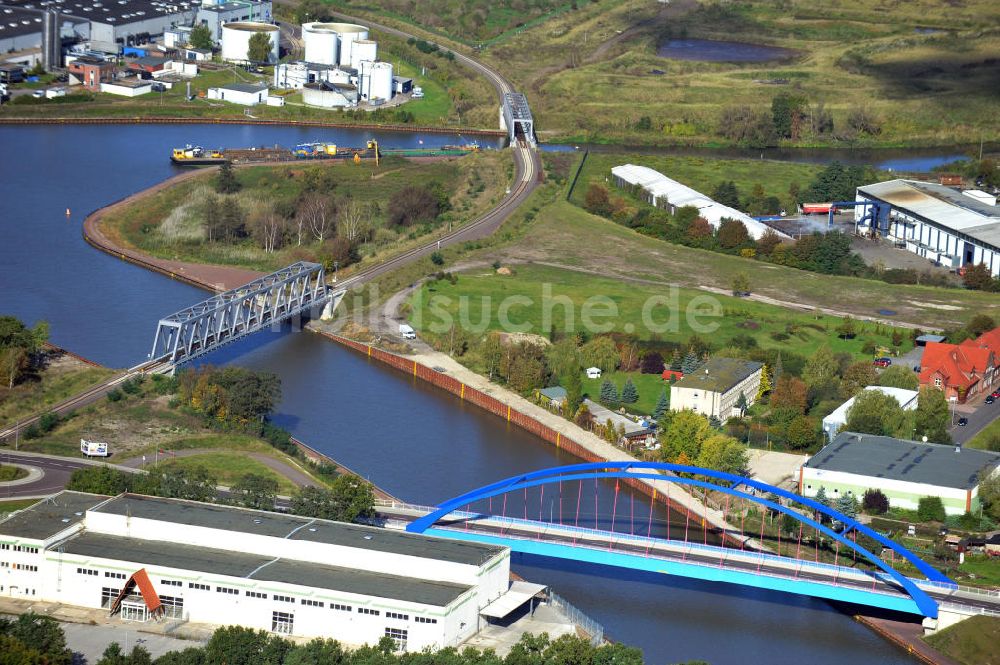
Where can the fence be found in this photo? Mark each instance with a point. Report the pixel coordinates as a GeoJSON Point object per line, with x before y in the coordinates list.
{"type": "Point", "coordinates": [578, 618]}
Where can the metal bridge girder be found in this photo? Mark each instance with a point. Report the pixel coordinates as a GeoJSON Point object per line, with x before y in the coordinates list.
{"type": "Point", "coordinates": [652, 470]}
{"type": "Point", "coordinates": [228, 316]}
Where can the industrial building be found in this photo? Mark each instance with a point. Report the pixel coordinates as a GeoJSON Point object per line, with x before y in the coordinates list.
{"type": "Point", "coordinates": [944, 225]}
{"type": "Point", "coordinates": [333, 43]}
{"type": "Point", "coordinates": [715, 388]}
{"type": "Point", "coordinates": [215, 14]}
{"type": "Point", "coordinates": [236, 40]}
{"type": "Point", "coordinates": [835, 421]}
{"type": "Point", "coordinates": [660, 191]}
{"type": "Point", "coordinates": [143, 558]}
{"type": "Point", "coordinates": [905, 471]}
{"type": "Point", "coordinates": [30, 35]}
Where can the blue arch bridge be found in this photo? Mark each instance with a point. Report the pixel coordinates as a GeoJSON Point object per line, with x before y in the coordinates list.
{"type": "Point", "coordinates": [858, 564]}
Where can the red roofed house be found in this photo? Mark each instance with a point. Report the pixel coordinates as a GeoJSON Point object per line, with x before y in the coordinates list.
{"type": "Point", "coordinates": [960, 370]}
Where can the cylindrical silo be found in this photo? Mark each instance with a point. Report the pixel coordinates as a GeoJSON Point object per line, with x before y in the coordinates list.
{"type": "Point", "coordinates": [236, 40]}
{"type": "Point", "coordinates": [361, 50]}
{"type": "Point", "coordinates": [380, 86]}
{"type": "Point", "coordinates": [322, 43]}
{"type": "Point", "coordinates": [349, 33]}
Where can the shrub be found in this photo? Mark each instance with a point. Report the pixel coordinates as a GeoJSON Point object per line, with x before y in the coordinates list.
{"type": "Point", "coordinates": [132, 386]}
{"type": "Point", "coordinates": [930, 509]}
{"type": "Point", "coordinates": [437, 259]}
{"type": "Point", "coordinates": [115, 395]}
{"type": "Point", "coordinates": [874, 502]}
{"type": "Point", "coordinates": [48, 422]}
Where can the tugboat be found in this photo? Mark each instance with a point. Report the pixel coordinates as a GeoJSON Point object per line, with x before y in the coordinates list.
{"type": "Point", "coordinates": [196, 156]}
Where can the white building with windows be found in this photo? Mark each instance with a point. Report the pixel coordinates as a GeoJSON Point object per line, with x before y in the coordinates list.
{"type": "Point", "coordinates": [714, 389]}
{"type": "Point", "coordinates": [941, 224]}
{"type": "Point", "coordinates": [144, 558]}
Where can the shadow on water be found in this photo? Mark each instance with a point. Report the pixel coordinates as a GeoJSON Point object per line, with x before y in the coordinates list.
{"type": "Point", "coordinates": [710, 50]}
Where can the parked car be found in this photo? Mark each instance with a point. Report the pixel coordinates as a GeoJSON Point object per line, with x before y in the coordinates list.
{"type": "Point", "coordinates": [995, 394]}
{"type": "Point", "coordinates": [963, 421]}
{"type": "Point", "coordinates": [990, 399]}
{"type": "Point", "coordinates": [38, 94]}
{"type": "Point", "coordinates": [882, 362]}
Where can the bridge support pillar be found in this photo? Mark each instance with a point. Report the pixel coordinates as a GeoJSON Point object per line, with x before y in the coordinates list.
{"type": "Point", "coordinates": [331, 305]}
{"type": "Point", "coordinates": [947, 616]}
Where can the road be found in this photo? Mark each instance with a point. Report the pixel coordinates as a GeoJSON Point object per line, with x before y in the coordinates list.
{"type": "Point", "coordinates": [978, 420]}
{"type": "Point", "coordinates": [55, 473]}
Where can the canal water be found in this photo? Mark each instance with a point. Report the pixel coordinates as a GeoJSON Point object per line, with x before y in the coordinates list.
{"type": "Point", "coordinates": [415, 441]}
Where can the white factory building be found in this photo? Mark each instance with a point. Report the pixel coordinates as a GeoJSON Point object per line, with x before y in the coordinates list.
{"type": "Point", "coordinates": [145, 558]}
{"type": "Point", "coordinates": [944, 225]}
{"type": "Point", "coordinates": [663, 192]}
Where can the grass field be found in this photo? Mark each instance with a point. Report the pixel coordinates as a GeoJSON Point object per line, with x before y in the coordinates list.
{"type": "Point", "coordinates": [60, 380]}
{"type": "Point", "coordinates": [591, 75]}
{"type": "Point", "coordinates": [228, 468]}
{"type": "Point", "coordinates": [970, 642]}
{"type": "Point", "coordinates": [986, 437]}
{"type": "Point", "coordinates": [650, 386]}
{"type": "Point", "coordinates": [616, 252]}
{"type": "Point", "coordinates": [651, 311]}
{"type": "Point", "coordinates": [474, 183]}
{"type": "Point", "coordinates": [9, 473]}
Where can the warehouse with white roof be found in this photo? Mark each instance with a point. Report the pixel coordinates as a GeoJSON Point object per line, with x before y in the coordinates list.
{"type": "Point", "coordinates": [143, 558]}
{"type": "Point", "coordinates": [944, 225]}
{"type": "Point", "coordinates": [669, 194]}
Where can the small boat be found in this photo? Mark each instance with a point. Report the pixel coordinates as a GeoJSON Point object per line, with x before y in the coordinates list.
{"type": "Point", "coordinates": [196, 156]}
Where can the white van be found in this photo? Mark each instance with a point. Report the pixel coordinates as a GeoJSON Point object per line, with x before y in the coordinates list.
{"type": "Point", "coordinates": [93, 448]}
{"type": "Point", "coordinates": [407, 332]}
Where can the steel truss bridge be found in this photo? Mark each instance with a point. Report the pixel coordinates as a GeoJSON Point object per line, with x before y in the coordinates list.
{"type": "Point", "coordinates": [516, 115]}
{"type": "Point", "coordinates": [297, 289]}
{"type": "Point", "coordinates": [462, 518]}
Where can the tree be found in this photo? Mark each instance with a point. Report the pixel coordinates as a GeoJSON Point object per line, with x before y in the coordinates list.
{"type": "Point", "coordinates": [683, 433]}
{"type": "Point", "coordinates": [690, 363]}
{"type": "Point", "coordinates": [600, 352]}
{"type": "Point", "coordinates": [787, 113]}
{"type": "Point", "coordinates": [256, 491]}
{"type": "Point", "coordinates": [741, 284]}
{"type": "Point", "coordinates": [765, 383]}
{"type": "Point", "coordinates": [195, 484]}
{"type": "Point", "coordinates": [319, 212]}
{"type": "Point", "coordinates": [266, 227]}
{"type": "Point", "coordinates": [767, 242]}
{"type": "Point", "coordinates": [236, 645]}
{"type": "Point", "coordinates": [930, 509]}
{"type": "Point", "coordinates": [875, 502]}
{"type": "Point", "coordinates": [727, 194]}
{"type": "Point", "coordinates": [864, 121]}
{"type": "Point", "coordinates": [931, 418]}
{"type": "Point", "coordinates": [790, 393]}
{"type": "Point", "coordinates": [821, 369]}
{"type": "Point", "coordinates": [597, 201]}
{"type": "Point", "coordinates": [662, 406]}
{"type": "Point", "coordinates": [259, 48]}
{"type": "Point", "coordinates": [574, 390]}
{"type": "Point", "coordinates": [699, 228]}
{"type": "Point", "coordinates": [113, 655]}
{"type": "Point", "coordinates": [801, 432]}
{"type": "Point", "coordinates": [652, 363]}
{"type": "Point", "coordinates": [978, 276]}
{"type": "Point", "coordinates": [847, 328]}
{"type": "Point", "coordinates": [609, 393]}
{"type": "Point", "coordinates": [40, 633]}
{"type": "Point", "coordinates": [675, 360]}
{"type": "Point", "coordinates": [857, 377]}
{"type": "Point", "coordinates": [630, 395]}
{"type": "Point", "coordinates": [354, 220]}
{"type": "Point", "coordinates": [723, 453]}
{"type": "Point", "coordinates": [847, 506]}
{"type": "Point", "coordinates": [979, 324]}
{"type": "Point", "coordinates": [201, 37]}
{"type": "Point", "coordinates": [733, 234]}
{"type": "Point", "coordinates": [741, 404]}
{"type": "Point", "coordinates": [898, 376]}
{"type": "Point", "coordinates": [346, 500]}
{"type": "Point", "coordinates": [874, 412]}
{"type": "Point", "coordinates": [491, 351]}
{"type": "Point", "coordinates": [225, 179]}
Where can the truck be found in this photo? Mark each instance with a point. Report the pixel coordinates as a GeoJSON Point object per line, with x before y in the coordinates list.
{"type": "Point", "coordinates": [406, 331]}
{"type": "Point", "coordinates": [93, 448]}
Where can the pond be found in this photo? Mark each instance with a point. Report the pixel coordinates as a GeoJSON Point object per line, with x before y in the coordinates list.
{"type": "Point", "coordinates": [710, 50]}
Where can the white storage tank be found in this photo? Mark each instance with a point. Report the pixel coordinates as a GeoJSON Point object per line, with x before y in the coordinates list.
{"type": "Point", "coordinates": [376, 80]}
{"type": "Point", "coordinates": [362, 50]}
{"type": "Point", "coordinates": [349, 33]}
{"type": "Point", "coordinates": [236, 39]}
{"type": "Point", "coordinates": [322, 43]}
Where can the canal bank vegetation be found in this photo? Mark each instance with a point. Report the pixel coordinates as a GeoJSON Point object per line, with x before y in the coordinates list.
{"type": "Point", "coordinates": [213, 419]}
{"type": "Point", "coordinates": [338, 212]}
{"type": "Point", "coordinates": [35, 375]}
{"type": "Point", "coordinates": [970, 642]}
{"type": "Point", "coordinates": [854, 75]}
